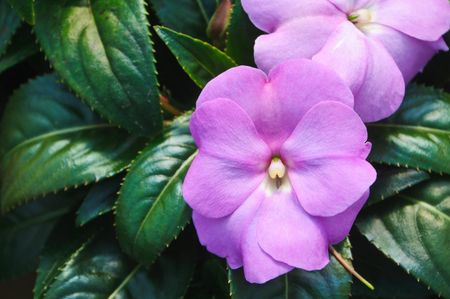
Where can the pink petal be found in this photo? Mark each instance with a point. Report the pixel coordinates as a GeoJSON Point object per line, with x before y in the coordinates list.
{"type": "Point", "coordinates": [298, 38]}
{"type": "Point", "coordinates": [276, 103]}
{"type": "Point", "coordinates": [426, 20]}
{"type": "Point", "coordinates": [289, 235]}
{"type": "Point", "coordinates": [339, 226]}
{"type": "Point", "coordinates": [410, 54]}
{"type": "Point", "coordinates": [231, 161]}
{"type": "Point", "coordinates": [346, 53]}
{"type": "Point", "coordinates": [328, 130]}
{"type": "Point", "coordinates": [223, 236]}
{"type": "Point", "coordinates": [368, 69]}
{"type": "Point", "coordinates": [259, 267]}
{"type": "Point", "coordinates": [327, 187]}
{"type": "Point", "coordinates": [349, 6]}
{"type": "Point", "coordinates": [268, 15]}
{"type": "Point", "coordinates": [215, 187]}
{"type": "Point", "coordinates": [222, 129]}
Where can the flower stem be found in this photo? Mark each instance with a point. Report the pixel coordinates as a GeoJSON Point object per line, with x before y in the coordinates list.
{"type": "Point", "coordinates": [165, 104]}
{"type": "Point", "coordinates": [349, 268]}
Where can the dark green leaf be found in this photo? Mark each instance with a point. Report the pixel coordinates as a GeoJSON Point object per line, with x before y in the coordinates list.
{"type": "Point", "coordinates": [418, 135]}
{"type": "Point", "coordinates": [241, 36]}
{"type": "Point", "coordinates": [389, 280]}
{"type": "Point", "coordinates": [169, 277]}
{"type": "Point", "coordinates": [331, 282]}
{"type": "Point", "coordinates": [103, 51]}
{"type": "Point", "coordinates": [99, 200]}
{"type": "Point", "coordinates": [89, 262]}
{"type": "Point", "coordinates": [22, 46]}
{"type": "Point", "coordinates": [25, 8]}
{"type": "Point", "coordinates": [393, 180]}
{"type": "Point", "coordinates": [39, 107]}
{"type": "Point", "coordinates": [9, 23]}
{"type": "Point", "coordinates": [200, 60]}
{"type": "Point", "coordinates": [187, 16]}
{"type": "Point", "coordinates": [413, 229]}
{"type": "Point", "coordinates": [24, 232]}
{"type": "Point", "coordinates": [94, 270]}
{"type": "Point", "coordinates": [151, 210]}
{"type": "Point", "coordinates": [64, 244]}
{"type": "Point", "coordinates": [50, 142]}
{"type": "Point", "coordinates": [210, 280]}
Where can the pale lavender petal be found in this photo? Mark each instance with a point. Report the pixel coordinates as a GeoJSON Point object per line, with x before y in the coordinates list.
{"type": "Point", "coordinates": [346, 53]}
{"type": "Point", "coordinates": [215, 187]}
{"type": "Point", "coordinates": [349, 6]}
{"type": "Point", "coordinates": [276, 103]}
{"type": "Point", "coordinates": [298, 38]}
{"type": "Point", "coordinates": [289, 235]}
{"type": "Point", "coordinates": [259, 267]}
{"type": "Point", "coordinates": [410, 54]}
{"type": "Point", "coordinates": [223, 236]}
{"type": "Point", "coordinates": [296, 86]}
{"type": "Point", "coordinates": [269, 14]}
{"type": "Point", "coordinates": [328, 130]}
{"type": "Point", "coordinates": [222, 129]}
{"type": "Point", "coordinates": [231, 161]}
{"type": "Point", "coordinates": [368, 69]}
{"type": "Point", "coordinates": [383, 88]}
{"type": "Point", "coordinates": [339, 226]}
{"type": "Point", "coordinates": [426, 20]}
{"type": "Point", "coordinates": [244, 85]}
{"type": "Point", "coordinates": [327, 187]}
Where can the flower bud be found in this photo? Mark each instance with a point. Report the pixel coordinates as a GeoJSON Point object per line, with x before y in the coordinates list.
{"type": "Point", "coordinates": [219, 22]}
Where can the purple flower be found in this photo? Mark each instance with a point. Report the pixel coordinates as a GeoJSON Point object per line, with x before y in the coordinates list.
{"type": "Point", "coordinates": [281, 171]}
{"type": "Point", "coordinates": [370, 43]}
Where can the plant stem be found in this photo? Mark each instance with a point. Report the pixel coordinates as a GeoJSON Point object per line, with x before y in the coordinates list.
{"type": "Point", "coordinates": [165, 104]}
{"type": "Point", "coordinates": [349, 268]}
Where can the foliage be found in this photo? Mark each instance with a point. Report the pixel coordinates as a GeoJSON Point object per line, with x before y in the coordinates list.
{"type": "Point", "coordinates": [91, 168]}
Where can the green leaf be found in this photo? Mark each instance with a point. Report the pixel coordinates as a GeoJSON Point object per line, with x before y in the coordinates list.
{"type": "Point", "coordinates": [210, 280]}
{"type": "Point", "coordinates": [63, 246]}
{"type": "Point", "coordinates": [25, 8]}
{"type": "Point", "coordinates": [241, 36]}
{"type": "Point", "coordinates": [393, 180]}
{"type": "Point", "coordinates": [413, 229]}
{"type": "Point", "coordinates": [331, 282]}
{"type": "Point", "coordinates": [90, 262]}
{"type": "Point", "coordinates": [389, 280]}
{"type": "Point", "coordinates": [24, 232]}
{"type": "Point", "coordinates": [187, 16]}
{"type": "Point", "coordinates": [39, 107]}
{"type": "Point", "coordinates": [9, 23]}
{"type": "Point", "coordinates": [102, 49]}
{"type": "Point", "coordinates": [200, 60]}
{"type": "Point", "coordinates": [47, 133]}
{"type": "Point", "coordinates": [150, 211]}
{"type": "Point", "coordinates": [418, 135]}
{"type": "Point", "coordinates": [95, 270]}
{"type": "Point", "coordinates": [99, 200]}
{"type": "Point", "coordinates": [168, 277]}
{"type": "Point", "coordinates": [22, 46]}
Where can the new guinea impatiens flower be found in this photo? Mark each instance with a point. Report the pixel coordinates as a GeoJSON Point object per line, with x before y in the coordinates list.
{"type": "Point", "coordinates": [281, 171]}
{"type": "Point", "coordinates": [375, 45]}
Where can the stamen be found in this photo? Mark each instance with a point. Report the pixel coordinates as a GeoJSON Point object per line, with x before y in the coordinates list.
{"type": "Point", "coordinates": [277, 170]}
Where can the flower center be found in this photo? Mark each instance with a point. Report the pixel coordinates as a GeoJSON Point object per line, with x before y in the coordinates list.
{"type": "Point", "coordinates": [277, 170]}
{"type": "Point", "coordinates": [360, 17]}
{"type": "Point", "coordinates": [277, 179]}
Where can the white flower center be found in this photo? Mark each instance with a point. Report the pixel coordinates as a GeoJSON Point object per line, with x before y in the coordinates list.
{"type": "Point", "coordinates": [277, 179]}
{"type": "Point", "coordinates": [361, 17]}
